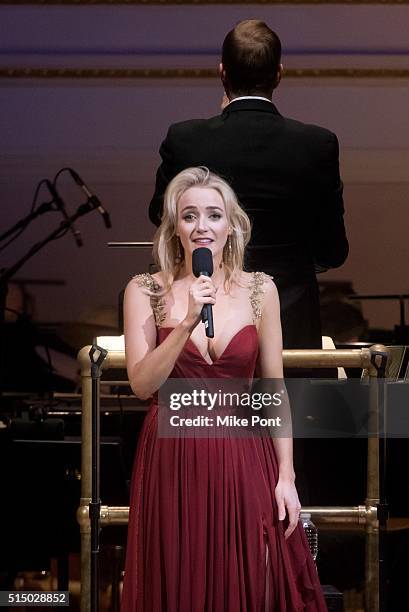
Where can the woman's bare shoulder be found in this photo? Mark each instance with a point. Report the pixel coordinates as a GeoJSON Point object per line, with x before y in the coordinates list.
{"type": "Point", "coordinates": [257, 282]}
{"type": "Point", "coordinates": [260, 278]}
{"type": "Point", "coordinates": [268, 286]}
{"type": "Point", "coordinates": [145, 292]}
{"type": "Point", "coordinates": [263, 292]}
{"type": "Point", "coordinates": [151, 283]}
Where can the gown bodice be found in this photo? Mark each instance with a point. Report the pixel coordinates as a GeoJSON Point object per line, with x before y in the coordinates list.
{"type": "Point", "coordinates": [238, 360]}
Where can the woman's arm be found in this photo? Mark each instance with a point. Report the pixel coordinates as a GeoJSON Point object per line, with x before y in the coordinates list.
{"type": "Point", "coordinates": [271, 366]}
{"type": "Point", "coordinates": [149, 365]}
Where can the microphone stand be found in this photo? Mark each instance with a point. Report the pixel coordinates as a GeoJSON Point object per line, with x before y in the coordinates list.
{"type": "Point", "coordinates": [43, 208]}
{"type": "Point", "coordinates": [82, 210]}
{"type": "Point", "coordinates": [5, 276]}
{"type": "Point", "coordinates": [7, 273]}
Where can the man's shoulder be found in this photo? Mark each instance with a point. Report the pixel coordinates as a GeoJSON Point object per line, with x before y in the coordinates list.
{"type": "Point", "coordinates": [308, 130]}
{"type": "Point", "coordinates": [187, 127]}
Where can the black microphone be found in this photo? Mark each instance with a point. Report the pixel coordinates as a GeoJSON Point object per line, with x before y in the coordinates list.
{"type": "Point", "coordinates": [202, 263]}
{"type": "Point", "coordinates": [92, 198]}
{"type": "Point", "coordinates": [61, 206]}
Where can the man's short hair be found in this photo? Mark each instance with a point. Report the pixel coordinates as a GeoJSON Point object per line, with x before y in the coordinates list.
{"type": "Point", "coordinates": [251, 58]}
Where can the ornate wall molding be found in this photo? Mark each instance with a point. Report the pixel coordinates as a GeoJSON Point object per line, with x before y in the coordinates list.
{"type": "Point", "coordinates": [197, 2]}
{"type": "Point", "coordinates": [194, 73]}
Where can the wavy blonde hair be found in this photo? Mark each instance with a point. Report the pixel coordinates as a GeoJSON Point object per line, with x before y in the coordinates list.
{"type": "Point", "coordinates": [166, 244]}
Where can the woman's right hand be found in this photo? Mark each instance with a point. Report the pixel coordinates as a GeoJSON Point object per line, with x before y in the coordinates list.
{"type": "Point", "coordinates": [202, 291]}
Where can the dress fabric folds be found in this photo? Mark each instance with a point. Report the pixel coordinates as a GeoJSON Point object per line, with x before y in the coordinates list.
{"type": "Point", "coordinates": [203, 532]}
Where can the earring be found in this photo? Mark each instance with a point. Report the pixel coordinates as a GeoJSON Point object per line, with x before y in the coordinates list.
{"type": "Point", "coordinates": [230, 249]}
{"type": "Point", "coordinates": [178, 257]}
{"type": "Point", "coordinates": [229, 254]}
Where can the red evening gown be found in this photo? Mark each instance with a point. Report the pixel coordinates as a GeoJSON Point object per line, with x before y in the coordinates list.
{"type": "Point", "coordinates": [203, 533]}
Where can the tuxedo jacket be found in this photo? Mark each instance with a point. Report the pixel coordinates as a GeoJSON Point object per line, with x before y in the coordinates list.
{"type": "Point", "coordinates": [286, 176]}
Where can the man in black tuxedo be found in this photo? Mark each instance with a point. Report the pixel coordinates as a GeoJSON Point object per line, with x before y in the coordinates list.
{"type": "Point", "coordinates": [285, 173]}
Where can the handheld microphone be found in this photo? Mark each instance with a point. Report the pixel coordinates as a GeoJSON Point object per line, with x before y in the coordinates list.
{"type": "Point", "coordinates": [61, 206]}
{"type": "Point", "coordinates": [92, 198]}
{"type": "Point", "coordinates": [202, 263]}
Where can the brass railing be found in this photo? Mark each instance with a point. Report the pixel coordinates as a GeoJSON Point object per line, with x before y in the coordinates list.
{"type": "Point", "coordinates": [363, 515]}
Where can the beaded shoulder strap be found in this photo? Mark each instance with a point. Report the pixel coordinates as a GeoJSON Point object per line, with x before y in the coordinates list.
{"type": "Point", "coordinates": [257, 292]}
{"type": "Point", "coordinates": [156, 298]}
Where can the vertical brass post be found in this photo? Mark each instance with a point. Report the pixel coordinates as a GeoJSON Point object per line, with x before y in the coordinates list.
{"type": "Point", "coordinates": [371, 541]}
{"type": "Point", "coordinates": [86, 383]}
{"type": "Point", "coordinates": [372, 492]}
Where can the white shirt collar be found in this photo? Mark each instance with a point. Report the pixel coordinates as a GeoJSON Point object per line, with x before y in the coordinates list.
{"type": "Point", "coordinates": [248, 98]}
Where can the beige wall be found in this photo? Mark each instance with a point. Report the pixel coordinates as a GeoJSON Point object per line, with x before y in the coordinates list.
{"type": "Point", "coordinates": [110, 130]}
